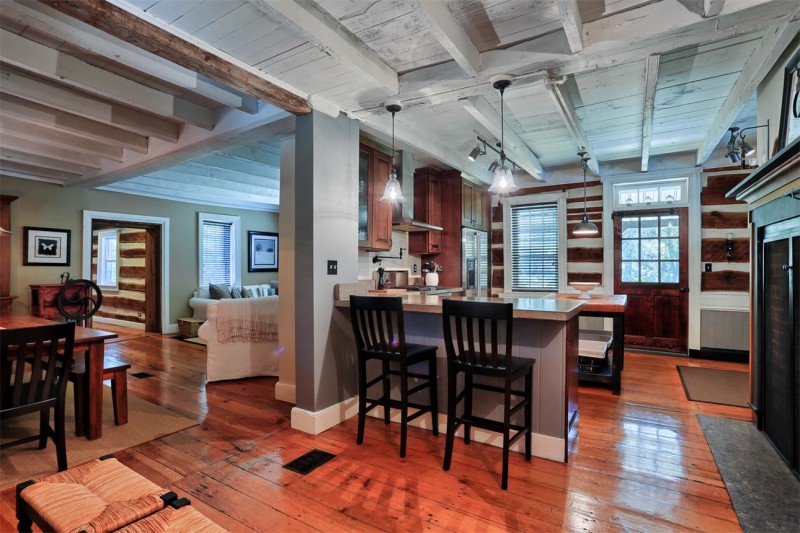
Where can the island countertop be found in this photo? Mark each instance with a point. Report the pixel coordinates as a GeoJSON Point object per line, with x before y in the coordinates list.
{"type": "Point", "coordinates": [560, 310]}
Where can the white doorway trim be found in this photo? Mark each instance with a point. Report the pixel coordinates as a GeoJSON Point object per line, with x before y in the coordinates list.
{"type": "Point", "coordinates": [86, 253]}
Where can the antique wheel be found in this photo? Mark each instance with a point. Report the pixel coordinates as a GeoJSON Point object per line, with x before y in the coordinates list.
{"type": "Point", "coordinates": [79, 299]}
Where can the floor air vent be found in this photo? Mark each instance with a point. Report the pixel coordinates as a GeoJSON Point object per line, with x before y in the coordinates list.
{"type": "Point", "coordinates": [308, 462]}
{"type": "Point", "coordinates": [142, 375]}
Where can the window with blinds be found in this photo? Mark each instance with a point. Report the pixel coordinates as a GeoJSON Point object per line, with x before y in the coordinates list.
{"type": "Point", "coordinates": [107, 259]}
{"type": "Point", "coordinates": [534, 247]}
{"type": "Point", "coordinates": [218, 263]}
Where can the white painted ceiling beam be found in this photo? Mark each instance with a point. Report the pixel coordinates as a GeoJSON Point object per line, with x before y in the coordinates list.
{"type": "Point", "coordinates": [757, 67]}
{"type": "Point", "coordinates": [514, 147]}
{"type": "Point", "coordinates": [25, 130]}
{"type": "Point", "coordinates": [451, 36]}
{"type": "Point", "coordinates": [68, 70]}
{"type": "Point", "coordinates": [35, 90]}
{"type": "Point", "coordinates": [60, 26]}
{"type": "Point", "coordinates": [570, 118]}
{"type": "Point", "coordinates": [233, 127]}
{"type": "Point", "coordinates": [22, 170]}
{"type": "Point", "coordinates": [60, 121]}
{"type": "Point", "coordinates": [330, 35]}
{"type": "Point", "coordinates": [166, 193]}
{"type": "Point", "coordinates": [39, 148]}
{"type": "Point", "coordinates": [571, 20]}
{"type": "Point", "coordinates": [650, 81]}
{"type": "Point", "coordinates": [8, 154]}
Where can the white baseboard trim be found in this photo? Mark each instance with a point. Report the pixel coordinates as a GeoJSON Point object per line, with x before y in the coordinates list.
{"type": "Point", "coordinates": [172, 328]}
{"type": "Point", "coordinates": [543, 446]}
{"type": "Point", "coordinates": [118, 322]}
{"type": "Point", "coordinates": [285, 392]}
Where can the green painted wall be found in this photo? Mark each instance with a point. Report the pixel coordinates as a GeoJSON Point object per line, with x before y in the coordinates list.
{"type": "Point", "coordinates": [51, 206]}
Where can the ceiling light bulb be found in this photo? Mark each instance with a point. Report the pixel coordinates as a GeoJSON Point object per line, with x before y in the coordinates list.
{"type": "Point", "coordinates": [503, 181]}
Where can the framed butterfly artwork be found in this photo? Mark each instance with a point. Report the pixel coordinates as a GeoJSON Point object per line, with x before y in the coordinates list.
{"type": "Point", "coordinates": [46, 246]}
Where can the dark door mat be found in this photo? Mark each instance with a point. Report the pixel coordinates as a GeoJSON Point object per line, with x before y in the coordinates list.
{"type": "Point", "coordinates": [764, 492]}
{"type": "Point", "coordinates": [142, 375]}
{"type": "Point", "coordinates": [309, 461]}
{"type": "Point", "coordinates": [712, 385]}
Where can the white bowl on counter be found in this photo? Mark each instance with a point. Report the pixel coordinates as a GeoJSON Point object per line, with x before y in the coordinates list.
{"type": "Point", "coordinates": [584, 287]}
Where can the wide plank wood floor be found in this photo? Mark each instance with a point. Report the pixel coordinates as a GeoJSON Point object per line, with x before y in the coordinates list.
{"type": "Point", "coordinates": [640, 461]}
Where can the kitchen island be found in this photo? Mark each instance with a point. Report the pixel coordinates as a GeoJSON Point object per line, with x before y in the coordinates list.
{"type": "Point", "coordinates": [545, 329]}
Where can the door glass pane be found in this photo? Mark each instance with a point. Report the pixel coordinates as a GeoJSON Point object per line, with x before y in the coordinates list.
{"type": "Point", "coordinates": [649, 272]}
{"type": "Point", "coordinates": [630, 250]}
{"type": "Point", "coordinates": [669, 226]}
{"type": "Point", "coordinates": [650, 249]}
{"type": "Point", "coordinates": [630, 271]}
{"type": "Point", "coordinates": [649, 227]}
{"type": "Point", "coordinates": [630, 228]}
{"type": "Point", "coordinates": [669, 249]}
{"type": "Point", "coordinates": [669, 272]}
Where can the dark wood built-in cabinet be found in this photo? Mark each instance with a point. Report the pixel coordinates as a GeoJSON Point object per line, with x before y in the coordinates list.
{"type": "Point", "coordinates": [5, 250]}
{"type": "Point", "coordinates": [374, 216]}
{"type": "Point", "coordinates": [474, 206]}
{"type": "Point", "coordinates": [427, 209]}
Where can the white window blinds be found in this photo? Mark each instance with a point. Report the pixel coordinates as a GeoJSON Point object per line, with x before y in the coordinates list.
{"type": "Point", "coordinates": [217, 260]}
{"type": "Point", "coordinates": [534, 247]}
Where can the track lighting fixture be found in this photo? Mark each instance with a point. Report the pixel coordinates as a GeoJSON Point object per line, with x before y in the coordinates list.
{"type": "Point", "coordinates": [393, 192]}
{"type": "Point", "coordinates": [584, 227]}
{"type": "Point", "coordinates": [738, 147]}
{"type": "Point", "coordinates": [477, 152]}
{"type": "Point", "coordinates": [502, 178]}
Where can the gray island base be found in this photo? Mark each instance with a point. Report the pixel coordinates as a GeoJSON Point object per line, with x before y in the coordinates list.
{"type": "Point", "coordinates": [545, 330]}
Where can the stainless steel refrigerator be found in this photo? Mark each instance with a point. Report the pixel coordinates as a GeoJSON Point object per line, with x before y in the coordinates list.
{"type": "Point", "coordinates": [474, 262]}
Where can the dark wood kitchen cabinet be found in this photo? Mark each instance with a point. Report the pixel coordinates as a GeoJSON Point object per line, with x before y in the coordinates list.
{"type": "Point", "coordinates": [427, 209]}
{"type": "Point", "coordinates": [474, 206]}
{"type": "Point", "coordinates": [374, 216]}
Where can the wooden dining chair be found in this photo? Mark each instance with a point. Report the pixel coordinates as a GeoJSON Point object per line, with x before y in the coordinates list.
{"type": "Point", "coordinates": [34, 369]}
{"type": "Point", "coordinates": [478, 340]}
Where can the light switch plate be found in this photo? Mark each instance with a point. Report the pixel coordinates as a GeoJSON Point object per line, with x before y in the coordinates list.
{"type": "Point", "coordinates": [333, 267]}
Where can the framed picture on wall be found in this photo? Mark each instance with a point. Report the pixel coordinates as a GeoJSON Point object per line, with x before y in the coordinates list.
{"type": "Point", "coordinates": [45, 246]}
{"type": "Point", "coordinates": [790, 105]}
{"type": "Point", "coordinates": [262, 252]}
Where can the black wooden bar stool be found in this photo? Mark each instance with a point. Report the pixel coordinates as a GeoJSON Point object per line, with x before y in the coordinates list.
{"type": "Point", "coordinates": [380, 335]}
{"type": "Point", "coordinates": [471, 335]}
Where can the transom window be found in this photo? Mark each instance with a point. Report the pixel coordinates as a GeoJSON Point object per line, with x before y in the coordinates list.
{"type": "Point", "coordinates": [650, 249]}
{"type": "Point", "coordinates": [665, 192]}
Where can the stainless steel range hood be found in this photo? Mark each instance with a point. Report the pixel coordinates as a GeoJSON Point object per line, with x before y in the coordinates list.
{"type": "Point", "coordinates": [403, 213]}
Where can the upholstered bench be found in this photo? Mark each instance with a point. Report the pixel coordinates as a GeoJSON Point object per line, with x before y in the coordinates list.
{"type": "Point", "coordinates": [99, 496]}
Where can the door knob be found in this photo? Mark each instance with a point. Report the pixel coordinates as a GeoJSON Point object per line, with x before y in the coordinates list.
{"type": "Point", "coordinates": [787, 267]}
{"type": "Point", "coordinates": [683, 289]}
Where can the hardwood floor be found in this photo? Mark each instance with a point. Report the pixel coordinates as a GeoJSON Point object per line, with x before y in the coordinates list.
{"type": "Point", "coordinates": [640, 461]}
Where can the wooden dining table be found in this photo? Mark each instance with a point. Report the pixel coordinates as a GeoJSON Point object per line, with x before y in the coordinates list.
{"type": "Point", "coordinates": [92, 343]}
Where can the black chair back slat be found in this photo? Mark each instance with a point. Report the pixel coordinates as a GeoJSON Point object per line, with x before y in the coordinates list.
{"type": "Point", "coordinates": [475, 348]}
{"type": "Point", "coordinates": [377, 323]}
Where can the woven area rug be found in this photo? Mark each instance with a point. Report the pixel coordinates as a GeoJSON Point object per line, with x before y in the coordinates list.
{"type": "Point", "coordinates": [146, 421]}
{"type": "Point", "coordinates": [726, 387]}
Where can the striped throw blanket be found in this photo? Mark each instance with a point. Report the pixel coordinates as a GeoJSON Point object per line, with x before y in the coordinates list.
{"type": "Point", "coordinates": [247, 319]}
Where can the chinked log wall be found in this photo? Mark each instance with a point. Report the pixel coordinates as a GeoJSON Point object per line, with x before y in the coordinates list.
{"type": "Point", "coordinates": [584, 254]}
{"type": "Point", "coordinates": [129, 302]}
{"type": "Point", "coordinates": [721, 216]}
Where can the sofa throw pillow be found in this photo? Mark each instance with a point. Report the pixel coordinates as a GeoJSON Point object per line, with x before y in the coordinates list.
{"type": "Point", "coordinates": [247, 293]}
{"type": "Point", "coordinates": [236, 292]}
{"type": "Point", "coordinates": [219, 291]}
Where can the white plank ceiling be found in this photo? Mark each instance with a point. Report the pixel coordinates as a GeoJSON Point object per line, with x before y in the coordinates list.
{"type": "Point", "coordinates": [625, 79]}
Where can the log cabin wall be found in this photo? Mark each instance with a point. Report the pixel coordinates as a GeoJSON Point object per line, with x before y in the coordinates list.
{"type": "Point", "coordinates": [720, 217]}
{"type": "Point", "coordinates": [584, 254]}
{"type": "Point", "coordinates": [128, 303]}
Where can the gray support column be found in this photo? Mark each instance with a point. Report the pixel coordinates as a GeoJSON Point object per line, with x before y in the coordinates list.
{"type": "Point", "coordinates": [285, 388]}
{"type": "Point", "coordinates": [325, 224]}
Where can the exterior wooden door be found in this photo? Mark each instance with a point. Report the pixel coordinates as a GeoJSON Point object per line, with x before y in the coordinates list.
{"type": "Point", "coordinates": [651, 267]}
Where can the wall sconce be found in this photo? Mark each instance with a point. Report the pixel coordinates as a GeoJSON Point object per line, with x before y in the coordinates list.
{"type": "Point", "coordinates": [729, 247]}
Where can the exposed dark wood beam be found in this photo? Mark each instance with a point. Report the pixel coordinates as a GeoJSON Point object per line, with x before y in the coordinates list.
{"type": "Point", "coordinates": [126, 26]}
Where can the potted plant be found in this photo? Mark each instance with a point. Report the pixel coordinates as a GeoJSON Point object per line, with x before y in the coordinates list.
{"type": "Point", "coordinates": [431, 270]}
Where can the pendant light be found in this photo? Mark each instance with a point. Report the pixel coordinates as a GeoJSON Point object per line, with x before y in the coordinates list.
{"type": "Point", "coordinates": [502, 178]}
{"type": "Point", "coordinates": [584, 227]}
{"type": "Point", "coordinates": [393, 192]}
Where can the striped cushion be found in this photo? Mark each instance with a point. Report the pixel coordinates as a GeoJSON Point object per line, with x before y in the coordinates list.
{"type": "Point", "coordinates": [170, 520]}
{"type": "Point", "coordinates": [100, 495]}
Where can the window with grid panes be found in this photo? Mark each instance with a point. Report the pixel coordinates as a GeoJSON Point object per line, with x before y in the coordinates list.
{"type": "Point", "coordinates": [534, 247]}
{"type": "Point", "coordinates": [218, 259]}
{"type": "Point", "coordinates": [107, 259]}
{"type": "Point", "coordinates": [650, 249]}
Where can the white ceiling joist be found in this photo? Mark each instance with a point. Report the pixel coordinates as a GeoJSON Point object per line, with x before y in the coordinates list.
{"type": "Point", "coordinates": [757, 67]}
{"type": "Point", "coordinates": [451, 36]}
{"type": "Point", "coordinates": [233, 127]}
{"type": "Point", "coordinates": [331, 36]}
{"type": "Point", "coordinates": [13, 107]}
{"type": "Point", "coordinates": [66, 69]}
{"type": "Point", "coordinates": [22, 170]}
{"type": "Point", "coordinates": [650, 80]}
{"type": "Point", "coordinates": [38, 147]}
{"type": "Point", "coordinates": [9, 154]}
{"type": "Point", "coordinates": [571, 121]}
{"type": "Point", "coordinates": [514, 147]}
{"type": "Point", "coordinates": [571, 20]}
{"type": "Point", "coordinates": [58, 25]}
{"type": "Point", "coordinates": [36, 90]}
{"type": "Point", "coordinates": [25, 130]}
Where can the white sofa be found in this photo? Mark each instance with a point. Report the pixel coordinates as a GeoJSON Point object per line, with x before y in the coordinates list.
{"type": "Point", "coordinates": [236, 358]}
{"type": "Point", "coordinates": [201, 298]}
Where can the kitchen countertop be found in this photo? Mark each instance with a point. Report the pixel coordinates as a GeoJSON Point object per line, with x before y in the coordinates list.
{"type": "Point", "coordinates": [531, 308]}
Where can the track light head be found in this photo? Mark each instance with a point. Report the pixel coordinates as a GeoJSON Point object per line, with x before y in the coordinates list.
{"type": "Point", "coordinates": [475, 153]}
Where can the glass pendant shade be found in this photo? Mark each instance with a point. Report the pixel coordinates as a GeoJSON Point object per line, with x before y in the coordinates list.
{"type": "Point", "coordinates": [584, 227]}
{"type": "Point", "coordinates": [393, 192]}
{"type": "Point", "coordinates": [503, 181]}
